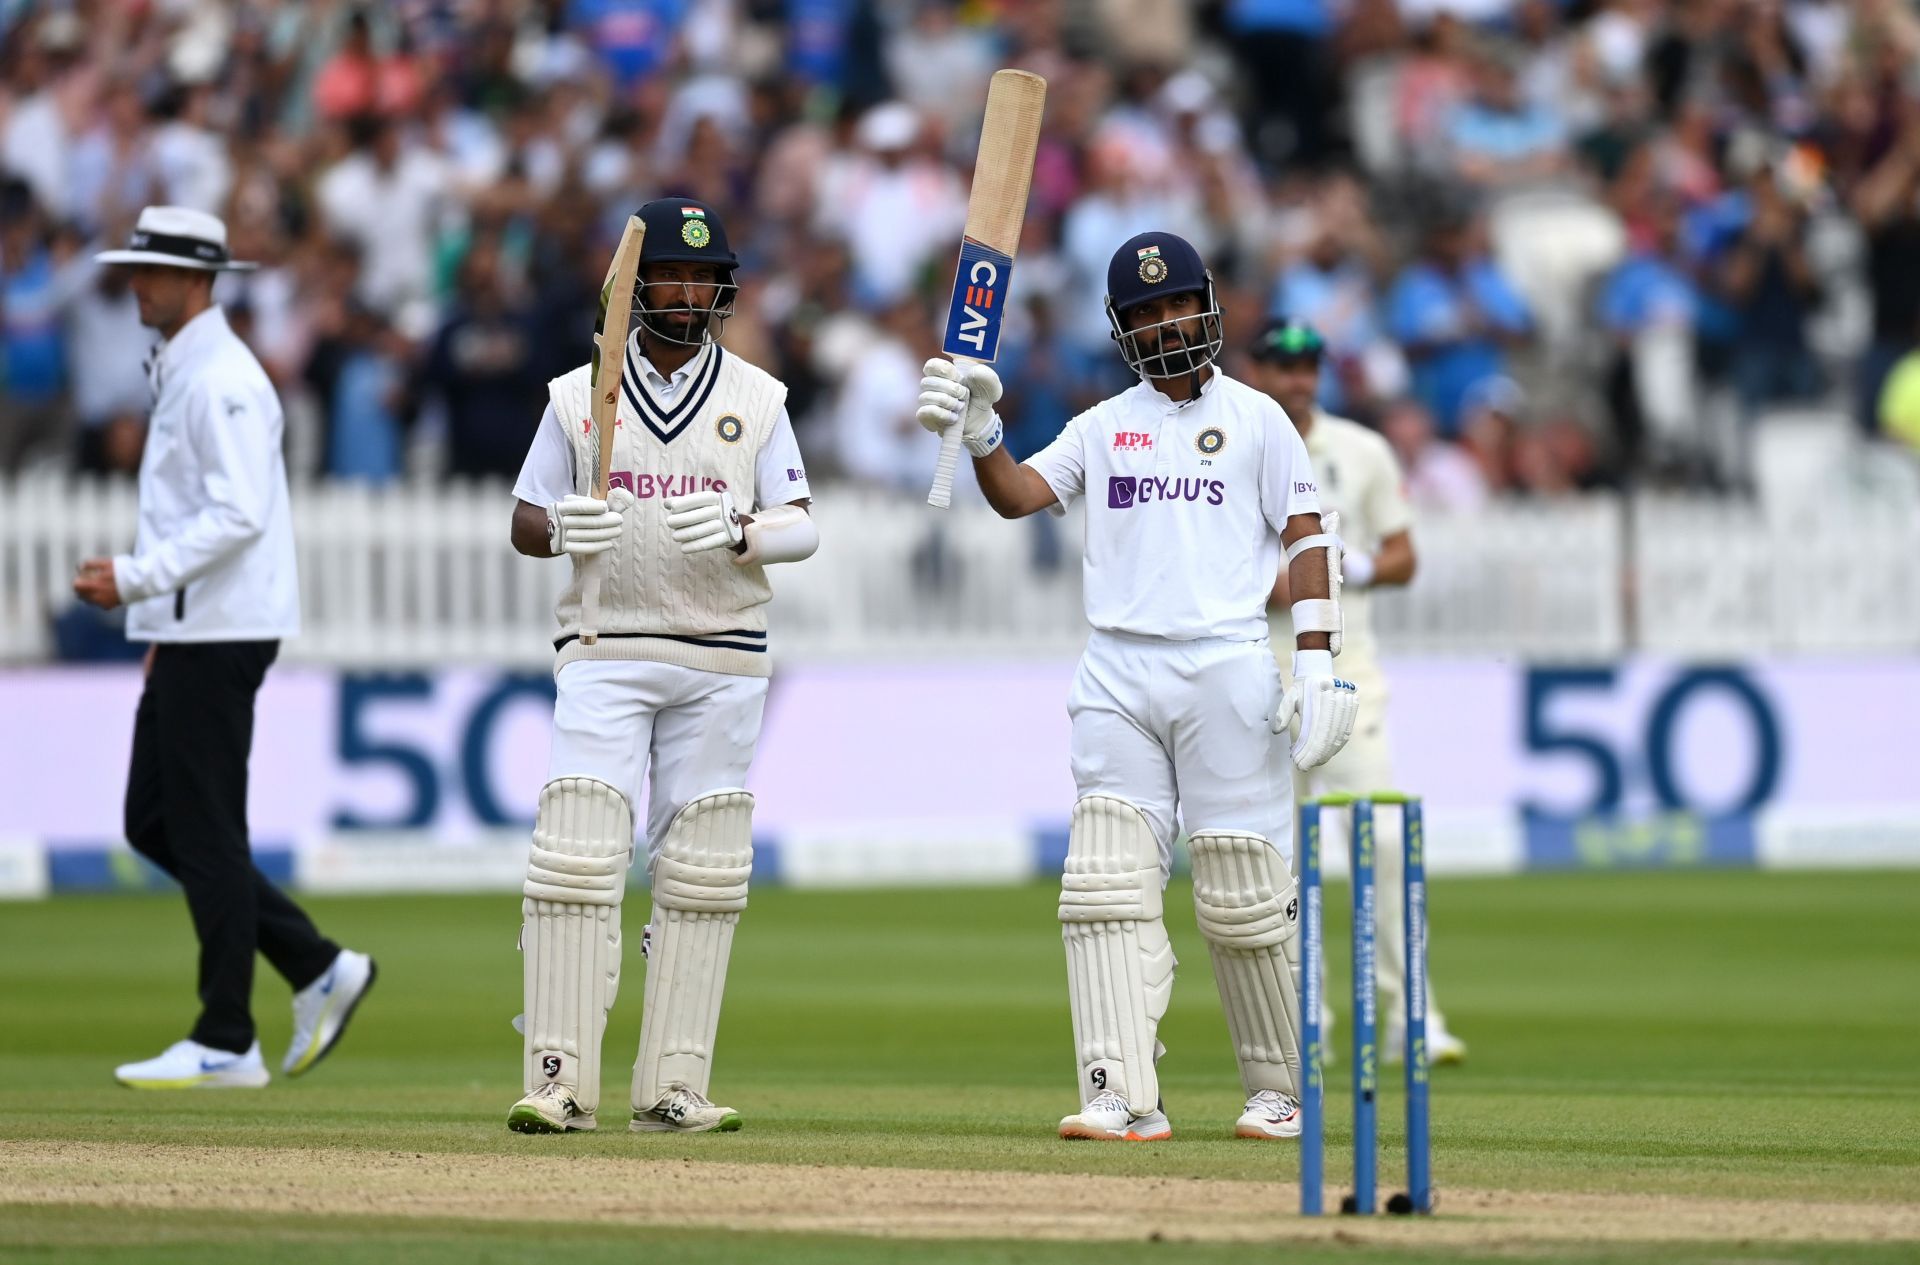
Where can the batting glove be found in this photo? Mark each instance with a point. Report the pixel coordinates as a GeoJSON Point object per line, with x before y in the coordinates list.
{"type": "Point", "coordinates": [582, 526]}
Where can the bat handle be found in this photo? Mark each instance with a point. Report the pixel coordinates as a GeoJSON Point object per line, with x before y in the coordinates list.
{"type": "Point", "coordinates": [590, 603]}
{"type": "Point", "coordinates": [941, 496]}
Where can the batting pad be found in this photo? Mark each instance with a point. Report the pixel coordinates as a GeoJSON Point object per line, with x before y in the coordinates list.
{"type": "Point", "coordinates": [1119, 960]}
{"type": "Point", "coordinates": [699, 889]}
{"type": "Point", "coordinates": [1243, 896]}
{"type": "Point", "coordinates": [576, 876]}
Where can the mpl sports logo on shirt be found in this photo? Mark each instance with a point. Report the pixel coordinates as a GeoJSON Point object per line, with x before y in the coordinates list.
{"type": "Point", "coordinates": [1131, 441]}
{"type": "Point", "coordinates": [1124, 491]}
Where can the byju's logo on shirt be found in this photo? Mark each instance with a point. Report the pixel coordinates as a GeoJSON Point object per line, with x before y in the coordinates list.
{"type": "Point", "coordinates": [1124, 491]}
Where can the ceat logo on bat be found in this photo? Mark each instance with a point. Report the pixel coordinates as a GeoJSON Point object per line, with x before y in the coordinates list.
{"type": "Point", "coordinates": [979, 301]}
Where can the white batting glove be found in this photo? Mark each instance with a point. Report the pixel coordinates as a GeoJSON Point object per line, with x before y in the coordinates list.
{"type": "Point", "coordinates": [582, 526]}
{"type": "Point", "coordinates": [1327, 707]}
{"type": "Point", "coordinates": [950, 395]}
{"type": "Point", "coordinates": [704, 520]}
{"type": "Point", "coordinates": [1357, 567]}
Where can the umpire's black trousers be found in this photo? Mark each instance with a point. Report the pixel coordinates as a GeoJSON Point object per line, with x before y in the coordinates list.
{"type": "Point", "coordinates": [187, 813]}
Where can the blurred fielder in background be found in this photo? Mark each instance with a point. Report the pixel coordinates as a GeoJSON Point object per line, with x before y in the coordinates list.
{"type": "Point", "coordinates": [1194, 481]}
{"type": "Point", "coordinates": [1361, 482]}
{"type": "Point", "coordinates": [674, 683]}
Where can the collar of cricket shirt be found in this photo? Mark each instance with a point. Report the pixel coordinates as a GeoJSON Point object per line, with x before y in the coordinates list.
{"type": "Point", "coordinates": [692, 382]}
{"type": "Point", "coordinates": [193, 340]}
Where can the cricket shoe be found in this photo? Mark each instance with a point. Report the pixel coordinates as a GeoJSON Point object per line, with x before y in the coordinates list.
{"type": "Point", "coordinates": [322, 1008]}
{"type": "Point", "coordinates": [1443, 1048]}
{"type": "Point", "coordinates": [551, 1108]}
{"type": "Point", "coordinates": [685, 1111]}
{"type": "Point", "coordinates": [1269, 1114]}
{"type": "Point", "coordinates": [1108, 1119]}
{"type": "Point", "coordinates": [190, 1065]}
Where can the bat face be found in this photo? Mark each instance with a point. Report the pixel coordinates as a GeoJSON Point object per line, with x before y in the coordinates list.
{"type": "Point", "coordinates": [978, 302]}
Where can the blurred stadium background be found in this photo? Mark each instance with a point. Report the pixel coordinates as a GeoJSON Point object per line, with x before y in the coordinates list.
{"type": "Point", "coordinates": [1632, 286]}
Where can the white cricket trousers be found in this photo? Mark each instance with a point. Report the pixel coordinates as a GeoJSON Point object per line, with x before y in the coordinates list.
{"type": "Point", "coordinates": [1181, 727]}
{"type": "Point", "coordinates": [614, 717]}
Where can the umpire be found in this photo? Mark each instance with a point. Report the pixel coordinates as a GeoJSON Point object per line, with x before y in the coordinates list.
{"type": "Point", "coordinates": [211, 584]}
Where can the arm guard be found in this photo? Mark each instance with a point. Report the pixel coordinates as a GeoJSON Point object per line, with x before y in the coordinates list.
{"type": "Point", "coordinates": [1321, 614]}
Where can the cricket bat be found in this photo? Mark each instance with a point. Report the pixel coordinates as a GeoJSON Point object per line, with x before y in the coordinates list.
{"type": "Point", "coordinates": [996, 206]}
{"type": "Point", "coordinates": [609, 357]}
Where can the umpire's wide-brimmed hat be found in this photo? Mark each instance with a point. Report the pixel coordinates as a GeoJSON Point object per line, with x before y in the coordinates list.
{"type": "Point", "coordinates": [177, 237]}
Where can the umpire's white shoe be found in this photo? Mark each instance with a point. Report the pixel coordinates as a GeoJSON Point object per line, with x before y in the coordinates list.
{"type": "Point", "coordinates": [684, 1111]}
{"type": "Point", "coordinates": [550, 1108]}
{"type": "Point", "coordinates": [1108, 1119]}
{"type": "Point", "coordinates": [1443, 1048]}
{"type": "Point", "coordinates": [190, 1065]}
{"type": "Point", "coordinates": [322, 1008]}
{"type": "Point", "coordinates": [1269, 1114]}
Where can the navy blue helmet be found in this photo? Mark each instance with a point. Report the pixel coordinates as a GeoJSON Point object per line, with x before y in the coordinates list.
{"type": "Point", "coordinates": [686, 231]}
{"type": "Point", "coordinates": [1150, 266]}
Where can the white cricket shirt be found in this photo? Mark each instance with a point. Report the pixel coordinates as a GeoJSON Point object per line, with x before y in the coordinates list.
{"type": "Point", "coordinates": [214, 557]}
{"type": "Point", "coordinates": [1185, 506]}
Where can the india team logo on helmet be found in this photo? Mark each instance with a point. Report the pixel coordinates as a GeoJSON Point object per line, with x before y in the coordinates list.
{"type": "Point", "coordinates": [1153, 269]}
{"type": "Point", "coordinates": [693, 229]}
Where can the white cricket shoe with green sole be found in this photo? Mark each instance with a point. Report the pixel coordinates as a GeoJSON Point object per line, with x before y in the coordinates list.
{"type": "Point", "coordinates": [551, 1108]}
{"type": "Point", "coordinates": [684, 1111]}
{"type": "Point", "coordinates": [190, 1065]}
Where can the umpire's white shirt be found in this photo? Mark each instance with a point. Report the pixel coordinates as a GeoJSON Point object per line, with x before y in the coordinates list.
{"type": "Point", "coordinates": [214, 557]}
{"type": "Point", "coordinates": [1185, 506]}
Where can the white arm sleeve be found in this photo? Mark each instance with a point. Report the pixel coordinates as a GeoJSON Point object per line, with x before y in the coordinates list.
{"type": "Point", "coordinates": [779, 476]}
{"type": "Point", "coordinates": [233, 432]}
{"type": "Point", "coordinates": [546, 477]}
{"type": "Point", "coordinates": [1063, 463]}
{"type": "Point", "coordinates": [1287, 485]}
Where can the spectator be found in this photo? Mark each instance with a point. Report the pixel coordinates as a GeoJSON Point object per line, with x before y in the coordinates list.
{"type": "Point", "coordinates": [364, 438]}
{"type": "Point", "coordinates": [876, 438]}
{"type": "Point", "coordinates": [896, 209]}
{"type": "Point", "coordinates": [1455, 313]}
{"type": "Point", "coordinates": [1888, 204]}
{"type": "Point", "coordinates": [33, 348]}
{"type": "Point", "coordinates": [1769, 282]}
{"type": "Point", "coordinates": [110, 171]}
{"type": "Point", "coordinates": [1285, 49]}
{"type": "Point", "coordinates": [389, 199]}
{"type": "Point", "coordinates": [1649, 304]}
{"type": "Point", "coordinates": [1496, 138]}
{"type": "Point", "coordinates": [1439, 476]}
{"type": "Point", "coordinates": [111, 398]}
{"type": "Point", "coordinates": [483, 367]}
{"type": "Point", "coordinates": [1332, 287]}
{"type": "Point", "coordinates": [941, 67]}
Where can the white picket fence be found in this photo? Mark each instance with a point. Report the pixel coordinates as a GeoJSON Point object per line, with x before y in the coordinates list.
{"type": "Point", "coordinates": [1583, 579]}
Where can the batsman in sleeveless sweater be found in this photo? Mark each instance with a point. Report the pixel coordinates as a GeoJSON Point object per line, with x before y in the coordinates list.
{"type": "Point", "coordinates": [707, 490]}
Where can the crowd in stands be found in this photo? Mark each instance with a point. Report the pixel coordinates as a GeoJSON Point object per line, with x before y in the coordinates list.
{"type": "Point", "coordinates": [1552, 245]}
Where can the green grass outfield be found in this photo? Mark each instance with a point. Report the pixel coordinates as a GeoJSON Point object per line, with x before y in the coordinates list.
{"type": "Point", "coordinates": [1639, 1040]}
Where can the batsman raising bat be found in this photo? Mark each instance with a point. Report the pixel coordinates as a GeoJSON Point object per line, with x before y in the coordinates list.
{"type": "Point", "coordinates": [705, 489]}
{"type": "Point", "coordinates": [1195, 484]}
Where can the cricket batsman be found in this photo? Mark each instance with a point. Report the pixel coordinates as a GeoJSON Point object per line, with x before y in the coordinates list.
{"type": "Point", "coordinates": [1361, 482]}
{"type": "Point", "coordinates": [1196, 485]}
{"type": "Point", "coordinates": [707, 490]}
